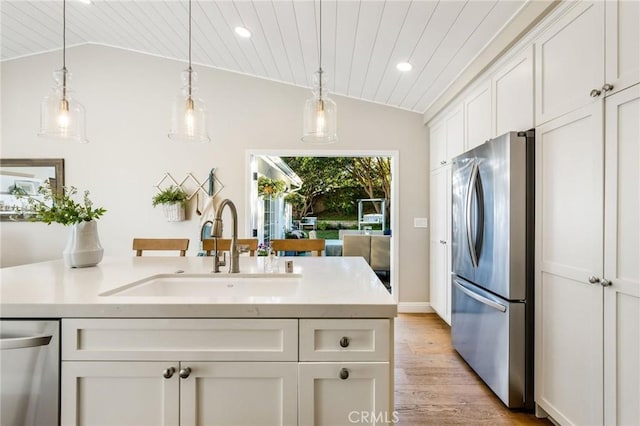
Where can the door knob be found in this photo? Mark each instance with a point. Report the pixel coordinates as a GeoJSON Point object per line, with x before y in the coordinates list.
{"type": "Point", "coordinates": [184, 372]}
{"type": "Point", "coordinates": [168, 373]}
{"type": "Point", "coordinates": [344, 342]}
{"type": "Point", "coordinates": [607, 87]}
{"type": "Point", "coordinates": [605, 283]}
{"type": "Point", "coordinates": [595, 93]}
{"type": "Point", "coordinates": [344, 373]}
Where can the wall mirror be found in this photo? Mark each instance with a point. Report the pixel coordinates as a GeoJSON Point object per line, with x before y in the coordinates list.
{"type": "Point", "coordinates": [26, 175]}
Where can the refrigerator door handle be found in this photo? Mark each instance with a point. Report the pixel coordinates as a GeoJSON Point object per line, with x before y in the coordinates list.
{"type": "Point", "coordinates": [24, 342]}
{"type": "Point", "coordinates": [480, 223]}
{"type": "Point", "coordinates": [470, 191]}
{"type": "Point", "coordinates": [479, 298]}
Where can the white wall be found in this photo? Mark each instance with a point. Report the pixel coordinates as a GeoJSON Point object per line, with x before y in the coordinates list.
{"type": "Point", "coordinates": [127, 96]}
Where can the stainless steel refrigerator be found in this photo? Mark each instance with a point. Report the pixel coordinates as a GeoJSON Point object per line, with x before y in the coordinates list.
{"type": "Point", "coordinates": [492, 264]}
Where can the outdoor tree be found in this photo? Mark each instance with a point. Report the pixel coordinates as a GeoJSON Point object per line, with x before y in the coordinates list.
{"type": "Point", "coordinates": [374, 175]}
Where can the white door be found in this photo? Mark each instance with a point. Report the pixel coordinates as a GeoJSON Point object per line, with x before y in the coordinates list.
{"type": "Point", "coordinates": [623, 43]}
{"type": "Point", "coordinates": [513, 94]}
{"type": "Point", "coordinates": [477, 117]}
{"type": "Point", "coordinates": [238, 393]}
{"type": "Point", "coordinates": [337, 394]}
{"type": "Point", "coordinates": [621, 257]}
{"type": "Point", "coordinates": [569, 246]}
{"type": "Point", "coordinates": [119, 393]}
{"type": "Point", "coordinates": [439, 277]}
{"type": "Point", "coordinates": [570, 61]}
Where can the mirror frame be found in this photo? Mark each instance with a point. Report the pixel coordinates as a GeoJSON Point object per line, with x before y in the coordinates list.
{"type": "Point", "coordinates": [56, 163]}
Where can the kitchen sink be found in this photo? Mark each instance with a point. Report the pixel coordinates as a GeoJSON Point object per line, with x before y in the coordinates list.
{"type": "Point", "coordinates": [210, 285]}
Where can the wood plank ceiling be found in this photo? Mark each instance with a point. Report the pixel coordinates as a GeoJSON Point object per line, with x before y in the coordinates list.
{"type": "Point", "coordinates": [362, 40]}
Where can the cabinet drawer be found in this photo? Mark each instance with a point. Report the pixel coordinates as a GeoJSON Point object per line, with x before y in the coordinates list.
{"type": "Point", "coordinates": [180, 339]}
{"type": "Point", "coordinates": [344, 340]}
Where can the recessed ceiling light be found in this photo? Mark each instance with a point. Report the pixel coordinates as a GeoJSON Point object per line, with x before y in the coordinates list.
{"type": "Point", "coordinates": [404, 66]}
{"type": "Point", "coordinates": [242, 32]}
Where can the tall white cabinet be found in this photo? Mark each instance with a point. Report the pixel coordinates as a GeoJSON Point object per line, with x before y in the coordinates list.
{"type": "Point", "coordinates": [585, 104]}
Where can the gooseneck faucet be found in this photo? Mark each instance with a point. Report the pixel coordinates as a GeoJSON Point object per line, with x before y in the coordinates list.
{"type": "Point", "coordinates": [216, 232]}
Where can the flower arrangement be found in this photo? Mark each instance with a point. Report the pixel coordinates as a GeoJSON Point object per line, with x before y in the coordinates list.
{"type": "Point", "coordinates": [271, 187]}
{"type": "Point", "coordinates": [263, 249]}
{"type": "Point", "coordinates": [49, 206]}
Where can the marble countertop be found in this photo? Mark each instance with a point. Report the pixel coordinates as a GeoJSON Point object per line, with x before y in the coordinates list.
{"type": "Point", "coordinates": [329, 287]}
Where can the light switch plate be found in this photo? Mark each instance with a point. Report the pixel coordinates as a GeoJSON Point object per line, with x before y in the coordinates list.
{"type": "Point", "coordinates": [420, 222]}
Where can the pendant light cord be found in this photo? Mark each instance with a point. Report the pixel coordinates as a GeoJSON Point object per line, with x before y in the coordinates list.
{"type": "Point", "coordinates": [189, 70]}
{"type": "Point", "coordinates": [320, 55]}
{"type": "Point", "coordinates": [64, 49]}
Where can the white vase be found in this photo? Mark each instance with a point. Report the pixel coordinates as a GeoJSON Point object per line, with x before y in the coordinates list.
{"type": "Point", "coordinates": [83, 246]}
{"type": "Point", "coordinates": [174, 212]}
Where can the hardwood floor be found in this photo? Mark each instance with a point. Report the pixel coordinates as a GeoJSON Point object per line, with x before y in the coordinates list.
{"type": "Point", "coordinates": [433, 384]}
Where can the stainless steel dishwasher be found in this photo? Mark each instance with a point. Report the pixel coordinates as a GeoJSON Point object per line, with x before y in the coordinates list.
{"type": "Point", "coordinates": [30, 371]}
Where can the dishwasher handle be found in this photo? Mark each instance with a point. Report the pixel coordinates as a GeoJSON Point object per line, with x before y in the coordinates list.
{"type": "Point", "coordinates": [24, 342]}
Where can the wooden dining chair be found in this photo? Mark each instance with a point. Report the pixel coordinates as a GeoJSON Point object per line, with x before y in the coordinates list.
{"type": "Point", "coordinates": [224, 244]}
{"type": "Point", "coordinates": [164, 244]}
{"type": "Point", "coordinates": [314, 245]}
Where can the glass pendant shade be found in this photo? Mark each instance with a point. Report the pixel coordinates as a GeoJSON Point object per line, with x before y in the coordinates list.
{"type": "Point", "coordinates": [61, 116]}
{"type": "Point", "coordinates": [319, 124]}
{"type": "Point", "coordinates": [189, 113]}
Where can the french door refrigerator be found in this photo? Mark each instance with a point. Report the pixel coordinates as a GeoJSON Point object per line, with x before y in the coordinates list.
{"type": "Point", "coordinates": [492, 264]}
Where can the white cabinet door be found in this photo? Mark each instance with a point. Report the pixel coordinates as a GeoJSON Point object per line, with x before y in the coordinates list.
{"type": "Point", "coordinates": [477, 117]}
{"type": "Point", "coordinates": [513, 94]}
{"type": "Point", "coordinates": [454, 123]}
{"type": "Point", "coordinates": [570, 61]}
{"type": "Point", "coordinates": [238, 394]}
{"type": "Point", "coordinates": [119, 393]}
{"type": "Point", "coordinates": [439, 277]}
{"type": "Point", "coordinates": [621, 254]}
{"type": "Point", "coordinates": [337, 394]}
{"type": "Point", "coordinates": [569, 246]}
{"type": "Point", "coordinates": [622, 43]}
{"type": "Point", "coordinates": [437, 145]}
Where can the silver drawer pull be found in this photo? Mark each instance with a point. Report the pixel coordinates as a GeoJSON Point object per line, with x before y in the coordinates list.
{"type": "Point", "coordinates": [168, 373]}
{"type": "Point", "coordinates": [24, 342]}
{"type": "Point", "coordinates": [344, 373]}
{"type": "Point", "coordinates": [184, 373]}
{"type": "Point", "coordinates": [344, 342]}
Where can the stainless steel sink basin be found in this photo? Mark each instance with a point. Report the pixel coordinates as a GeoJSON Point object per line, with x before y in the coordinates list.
{"type": "Point", "coordinates": [210, 285]}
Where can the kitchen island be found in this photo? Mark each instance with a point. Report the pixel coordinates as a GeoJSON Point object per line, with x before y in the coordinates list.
{"type": "Point", "coordinates": [317, 350]}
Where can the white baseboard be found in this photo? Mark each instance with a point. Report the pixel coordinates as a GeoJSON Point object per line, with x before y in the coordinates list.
{"type": "Point", "coordinates": [415, 307]}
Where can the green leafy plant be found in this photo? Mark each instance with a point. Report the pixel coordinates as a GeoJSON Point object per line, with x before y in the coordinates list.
{"type": "Point", "coordinates": [50, 207]}
{"type": "Point", "coordinates": [170, 195]}
{"type": "Point", "coordinates": [271, 187]}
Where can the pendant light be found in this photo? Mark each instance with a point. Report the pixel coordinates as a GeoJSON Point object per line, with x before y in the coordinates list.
{"type": "Point", "coordinates": [320, 112]}
{"type": "Point", "coordinates": [61, 116]}
{"type": "Point", "coordinates": [189, 113]}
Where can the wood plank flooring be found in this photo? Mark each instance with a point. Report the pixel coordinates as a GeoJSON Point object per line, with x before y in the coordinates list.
{"type": "Point", "coordinates": [433, 384]}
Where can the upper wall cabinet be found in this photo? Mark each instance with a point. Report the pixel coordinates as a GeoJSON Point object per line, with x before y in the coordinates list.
{"type": "Point", "coordinates": [512, 88]}
{"type": "Point", "coordinates": [570, 62]}
{"type": "Point", "coordinates": [622, 43]}
{"type": "Point", "coordinates": [477, 116]}
{"type": "Point", "coordinates": [446, 139]}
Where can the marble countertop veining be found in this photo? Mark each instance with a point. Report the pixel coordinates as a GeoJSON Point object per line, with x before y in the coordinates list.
{"type": "Point", "coordinates": [329, 287]}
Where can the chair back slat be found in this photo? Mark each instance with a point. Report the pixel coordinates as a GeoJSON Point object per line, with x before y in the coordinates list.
{"type": "Point", "coordinates": [163, 244]}
{"type": "Point", "coordinates": [314, 245]}
{"type": "Point", "coordinates": [224, 244]}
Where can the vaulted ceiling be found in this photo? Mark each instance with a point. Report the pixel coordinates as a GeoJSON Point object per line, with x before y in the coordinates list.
{"type": "Point", "coordinates": [362, 41]}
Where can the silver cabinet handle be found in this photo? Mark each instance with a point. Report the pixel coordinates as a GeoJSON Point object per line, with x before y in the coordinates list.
{"type": "Point", "coordinates": [595, 93]}
{"type": "Point", "coordinates": [168, 373]}
{"type": "Point", "coordinates": [607, 87]}
{"type": "Point", "coordinates": [443, 162]}
{"type": "Point", "coordinates": [605, 283]}
{"type": "Point", "coordinates": [184, 372]}
{"type": "Point", "coordinates": [443, 242]}
{"type": "Point", "coordinates": [594, 280]}
{"type": "Point", "coordinates": [344, 374]}
{"type": "Point", "coordinates": [344, 342]}
{"type": "Point", "coordinates": [24, 342]}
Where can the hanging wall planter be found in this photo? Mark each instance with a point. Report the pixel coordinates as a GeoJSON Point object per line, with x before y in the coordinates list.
{"type": "Point", "coordinates": [173, 200]}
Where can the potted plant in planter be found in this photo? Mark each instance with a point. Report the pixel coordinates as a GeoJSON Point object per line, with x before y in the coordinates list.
{"type": "Point", "coordinates": [83, 247]}
{"type": "Point", "coordinates": [173, 200]}
{"type": "Point", "coordinates": [271, 187]}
